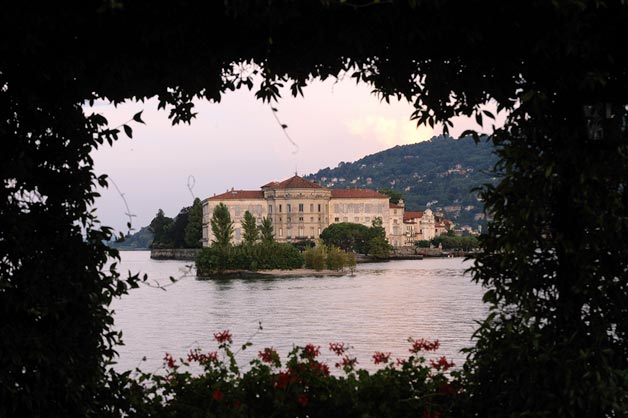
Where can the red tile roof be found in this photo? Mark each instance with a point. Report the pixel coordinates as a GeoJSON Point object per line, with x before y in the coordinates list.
{"type": "Point", "coordinates": [356, 194]}
{"type": "Point", "coordinates": [295, 182]}
{"type": "Point", "coordinates": [239, 194]}
{"type": "Point", "coordinates": [412, 215]}
{"type": "Point", "coordinates": [394, 206]}
{"type": "Point", "coordinates": [272, 183]}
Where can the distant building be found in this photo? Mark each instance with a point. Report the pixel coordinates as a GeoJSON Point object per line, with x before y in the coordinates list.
{"type": "Point", "coordinates": [424, 225]}
{"type": "Point", "coordinates": [301, 209]}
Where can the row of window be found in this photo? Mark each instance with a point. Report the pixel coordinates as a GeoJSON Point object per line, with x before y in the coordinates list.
{"type": "Point", "coordinates": [301, 232]}
{"type": "Point", "coordinates": [355, 220]}
{"type": "Point", "coordinates": [359, 208]}
{"type": "Point", "coordinates": [301, 219]}
{"type": "Point", "coordinates": [319, 207]}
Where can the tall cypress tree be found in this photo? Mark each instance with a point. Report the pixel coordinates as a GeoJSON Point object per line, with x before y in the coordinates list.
{"type": "Point", "coordinates": [222, 226]}
{"type": "Point", "coordinates": [193, 230]}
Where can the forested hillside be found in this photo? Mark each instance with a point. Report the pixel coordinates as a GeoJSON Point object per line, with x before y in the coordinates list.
{"type": "Point", "coordinates": [438, 173]}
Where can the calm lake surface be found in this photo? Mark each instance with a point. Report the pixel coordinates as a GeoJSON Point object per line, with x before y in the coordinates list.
{"type": "Point", "coordinates": [376, 309]}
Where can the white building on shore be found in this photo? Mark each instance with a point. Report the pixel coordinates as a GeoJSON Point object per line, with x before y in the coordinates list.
{"type": "Point", "coordinates": [301, 209]}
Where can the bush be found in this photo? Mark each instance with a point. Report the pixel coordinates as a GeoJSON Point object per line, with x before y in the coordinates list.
{"type": "Point", "coordinates": [259, 256]}
{"type": "Point", "coordinates": [303, 386]}
{"type": "Point", "coordinates": [336, 259]}
{"type": "Point", "coordinates": [315, 258]}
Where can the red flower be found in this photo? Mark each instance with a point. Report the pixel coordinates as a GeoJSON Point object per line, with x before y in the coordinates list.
{"type": "Point", "coordinates": [302, 399]}
{"type": "Point", "coordinates": [201, 358]}
{"type": "Point", "coordinates": [217, 395]}
{"type": "Point", "coordinates": [423, 345]}
{"type": "Point", "coordinates": [320, 367]}
{"type": "Point", "coordinates": [338, 348]}
{"type": "Point", "coordinates": [283, 379]}
{"type": "Point", "coordinates": [170, 362]}
{"type": "Point", "coordinates": [442, 364]}
{"type": "Point", "coordinates": [311, 352]}
{"type": "Point", "coordinates": [347, 361]}
{"type": "Point", "coordinates": [427, 414]}
{"type": "Point", "coordinates": [237, 404]}
{"type": "Point", "coordinates": [223, 337]}
{"type": "Point", "coordinates": [269, 355]}
{"type": "Point", "coordinates": [380, 357]}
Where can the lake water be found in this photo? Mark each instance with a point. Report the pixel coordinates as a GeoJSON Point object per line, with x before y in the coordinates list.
{"type": "Point", "coordinates": [376, 309]}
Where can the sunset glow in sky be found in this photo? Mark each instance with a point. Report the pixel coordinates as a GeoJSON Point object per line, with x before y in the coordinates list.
{"type": "Point", "coordinates": [238, 143]}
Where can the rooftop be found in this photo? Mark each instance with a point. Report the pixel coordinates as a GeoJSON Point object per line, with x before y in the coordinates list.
{"type": "Point", "coordinates": [357, 194]}
{"type": "Point", "coordinates": [407, 215]}
{"type": "Point", "coordinates": [239, 194]}
{"type": "Point", "coordinates": [295, 182]}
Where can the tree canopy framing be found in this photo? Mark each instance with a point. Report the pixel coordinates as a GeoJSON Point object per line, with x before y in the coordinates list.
{"type": "Point", "coordinates": [554, 258]}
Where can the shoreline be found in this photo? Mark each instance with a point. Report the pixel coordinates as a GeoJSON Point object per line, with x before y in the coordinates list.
{"type": "Point", "coordinates": [275, 273]}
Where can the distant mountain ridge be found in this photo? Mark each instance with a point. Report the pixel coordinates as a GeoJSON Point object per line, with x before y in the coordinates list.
{"type": "Point", "coordinates": [439, 173]}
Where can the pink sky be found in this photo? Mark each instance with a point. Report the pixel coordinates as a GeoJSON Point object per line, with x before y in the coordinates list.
{"type": "Point", "coordinates": [238, 143]}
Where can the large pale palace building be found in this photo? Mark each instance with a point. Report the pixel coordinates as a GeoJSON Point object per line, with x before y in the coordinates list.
{"type": "Point", "coordinates": [301, 209]}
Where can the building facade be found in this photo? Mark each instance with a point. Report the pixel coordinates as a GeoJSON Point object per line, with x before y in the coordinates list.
{"type": "Point", "coordinates": [301, 209]}
{"type": "Point", "coordinates": [424, 225]}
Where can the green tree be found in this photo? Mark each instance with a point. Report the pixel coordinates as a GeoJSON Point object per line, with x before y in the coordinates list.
{"type": "Point", "coordinates": [379, 247]}
{"type": "Point", "coordinates": [160, 226]}
{"type": "Point", "coordinates": [176, 233]}
{"type": "Point", "coordinates": [336, 258]}
{"type": "Point", "coordinates": [266, 230]}
{"type": "Point", "coordinates": [222, 226]}
{"type": "Point", "coordinates": [251, 231]}
{"type": "Point", "coordinates": [315, 257]}
{"type": "Point", "coordinates": [424, 243]}
{"type": "Point", "coordinates": [394, 195]}
{"type": "Point", "coordinates": [194, 227]}
{"type": "Point", "coordinates": [348, 236]}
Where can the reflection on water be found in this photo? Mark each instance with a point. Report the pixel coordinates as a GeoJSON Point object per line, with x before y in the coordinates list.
{"type": "Point", "coordinates": [376, 309]}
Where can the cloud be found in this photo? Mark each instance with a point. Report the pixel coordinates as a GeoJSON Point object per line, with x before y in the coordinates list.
{"type": "Point", "coordinates": [388, 131]}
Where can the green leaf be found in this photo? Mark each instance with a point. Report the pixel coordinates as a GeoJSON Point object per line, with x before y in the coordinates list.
{"type": "Point", "coordinates": [489, 114]}
{"type": "Point", "coordinates": [128, 131]}
{"type": "Point", "coordinates": [138, 117]}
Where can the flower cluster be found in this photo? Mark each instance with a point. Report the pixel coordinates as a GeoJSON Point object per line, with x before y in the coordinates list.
{"type": "Point", "coordinates": [270, 356]}
{"type": "Point", "coordinates": [310, 351]}
{"type": "Point", "coordinates": [380, 357]}
{"type": "Point", "coordinates": [423, 345]}
{"type": "Point", "coordinates": [223, 337]}
{"type": "Point", "coordinates": [347, 363]}
{"type": "Point", "coordinates": [338, 348]}
{"type": "Point", "coordinates": [305, 386]}
{"type": "Point", "coordinates": [170, 361]}
{"type": "Point", "coordinates": [202, 358]}
{"type": "Point", "coordinates": [441, 364]}
{"type": "Point", "coordinates": [283, 379]}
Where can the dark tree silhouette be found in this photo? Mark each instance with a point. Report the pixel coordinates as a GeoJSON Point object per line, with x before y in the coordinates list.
{"type": "Point", "coordinates": [554, 262]}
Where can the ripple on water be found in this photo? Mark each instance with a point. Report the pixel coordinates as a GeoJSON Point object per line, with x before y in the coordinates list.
{"type": "Point", "coordinates": [376, 309]}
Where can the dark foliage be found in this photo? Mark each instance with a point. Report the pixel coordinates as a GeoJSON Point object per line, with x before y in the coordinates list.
{"type": "Point", "coordinates": [261, 256]}
{"type": "Point", "coordinates": [194, 227]}
{"type": "Point", "coordinates": [351, 237]}
{"type": "Point", "coordinates": [455, 243]}
{"type": "Point", "coordinates": [556, 343]}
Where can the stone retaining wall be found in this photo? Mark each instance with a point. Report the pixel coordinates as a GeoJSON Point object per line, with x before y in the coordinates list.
{"type": "Point", "coordinates": [189, 254]}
